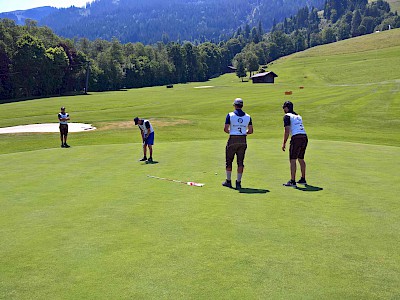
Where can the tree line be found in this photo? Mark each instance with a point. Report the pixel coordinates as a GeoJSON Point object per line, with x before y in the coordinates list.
{"type": "Point", "coordinates": [35, 62]}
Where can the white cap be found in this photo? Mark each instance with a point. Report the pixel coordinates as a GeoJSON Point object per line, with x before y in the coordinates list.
{"type": "Point", "coordinates": [238, 101]}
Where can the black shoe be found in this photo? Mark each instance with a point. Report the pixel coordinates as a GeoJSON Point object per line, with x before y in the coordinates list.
{"type": "Point", "coordinates": [227, 183]}
{"type": "Point", "coordinates": [150, 159]}
{"type": "Point", "coordinates": [143, 159]}
{"type": "Point", "coordinates": [62, 146]}
{"type": "Point", "coordinates": [290, 183]}
{"type": "Point", "coordinates": [302, 181]}
{"type": "Point", "coordinates": [238, 185]}
{"type": "Point", "coordinates": [66, 145]}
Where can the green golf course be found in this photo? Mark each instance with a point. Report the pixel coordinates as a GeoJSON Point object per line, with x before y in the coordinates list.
{"type": "Point", "coordinates": [88, 223]}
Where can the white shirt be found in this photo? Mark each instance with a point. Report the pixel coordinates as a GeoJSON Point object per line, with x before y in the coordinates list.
{"type": "Point", "coordinates": [63, 116]}
{"type": "Point", "coordinates": [296, 124]}
{"type": "Point", "coordinates": [238, 125]}
{"type": "Point", "coordinates": [144, 129]}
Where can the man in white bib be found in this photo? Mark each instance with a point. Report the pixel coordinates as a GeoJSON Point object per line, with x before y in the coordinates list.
{"type": "Point", "coordinates": [293, 124]}
{"type": "Point", "coordinates": [63, 118]}
{"type": "Point", "coordinates": [147, 133]}
{"type": "Point", "coordinates": [238, 125]}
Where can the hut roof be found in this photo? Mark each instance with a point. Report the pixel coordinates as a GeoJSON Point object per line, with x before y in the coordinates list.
{"type": "Point", "coordinates": [264, 74]}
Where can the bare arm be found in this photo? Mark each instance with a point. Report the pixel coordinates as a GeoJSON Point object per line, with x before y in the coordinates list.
{"type": "Point", "coordinates": [250, 129]}
{"type": "Point", "coordinates": [226, 128]}
{"type": "Point", "coordinates": [142, 133]}
{"type": "Point", "coordinates": [285, 137]}
{"type": "Point", "coordinates": [64, 119]}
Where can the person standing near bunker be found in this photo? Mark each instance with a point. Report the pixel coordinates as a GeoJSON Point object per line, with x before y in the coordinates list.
{"type": "Point", "coordinates": [147, 133]}
{"type": "Point", "coordinates": [63, 118]}
{"type": "Point", "coordinates": [293, 124]}
{"type": "Point", "coordinates": [238, 125]}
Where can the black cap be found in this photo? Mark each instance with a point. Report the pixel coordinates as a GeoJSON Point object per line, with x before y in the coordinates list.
{"type": "Point", "coordinates": [136, 120]}
{"type": "Point", "coordinates": [288, 104]}
{"type": "Point", "coordinates": [63, 108]}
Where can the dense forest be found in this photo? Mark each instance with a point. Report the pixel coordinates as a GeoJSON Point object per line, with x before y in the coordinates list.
{"type": "Point", "coordinates": [35, 62]}
{"type": "Point", "coordinates": [150, 21]}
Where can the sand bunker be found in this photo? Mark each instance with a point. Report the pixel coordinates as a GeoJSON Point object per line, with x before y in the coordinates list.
{"type": "Point", "coordinates": [204, 87]}
{"type": "Point", "coordinates": [47, 127]}
{"type": "Point", "coordinates": [130, 125]}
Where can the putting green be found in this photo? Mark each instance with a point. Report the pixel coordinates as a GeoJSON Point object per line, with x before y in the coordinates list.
{"type": "Point", "coordinates": [88, 222]}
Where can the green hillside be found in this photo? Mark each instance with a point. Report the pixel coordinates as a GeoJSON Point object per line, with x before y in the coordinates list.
{"type": "Point", "coordinates": [344, 79]}
{"type": "Point", "coordinates": [394, 5]}
{"type": "Point", "coordinates": [88, 223]}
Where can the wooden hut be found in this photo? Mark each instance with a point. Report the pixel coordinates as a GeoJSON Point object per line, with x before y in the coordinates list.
{"type": "Point", "coordinates": [266, 77]}
{"type": "Point", "coordinates": [229, 69]}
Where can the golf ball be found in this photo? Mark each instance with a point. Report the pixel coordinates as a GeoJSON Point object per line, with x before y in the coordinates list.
{"type": "Point", "coordinates": [216, 173]}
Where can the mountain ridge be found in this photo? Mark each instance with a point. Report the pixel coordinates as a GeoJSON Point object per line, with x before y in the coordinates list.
{"type": "Point", "coordinates": [151, 21]}
{"type": "Point", "coordinates": [37, 13]}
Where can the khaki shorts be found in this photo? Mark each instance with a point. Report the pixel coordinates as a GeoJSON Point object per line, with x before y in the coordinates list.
{"type": "Point", "coordinates": [236, 145]}
{"type": "Point", "coordinates": [64, 129]}
{"type": "Point", "coordinates": [298, 146]}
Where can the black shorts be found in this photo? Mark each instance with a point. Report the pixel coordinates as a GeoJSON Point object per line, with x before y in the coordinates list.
{"type": "Point", "coordinates": [237, 144]}
{"type": "Point", "coordinates": [298, 146]}
{"type": "Point", "coordinates": [64, 129]}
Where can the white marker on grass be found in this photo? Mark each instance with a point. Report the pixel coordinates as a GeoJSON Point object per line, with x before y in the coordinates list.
{"type": "Point", "coordinates": [177, 181]}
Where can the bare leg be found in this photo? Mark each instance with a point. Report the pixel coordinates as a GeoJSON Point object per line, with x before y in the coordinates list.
{"type": "Point", "coordinates": [150, 150]}
{"type": "Point", "coordinates": [302, 167]}
{"type": "Point", "coordinates": [144, 150]}
{"type": "Point", "coordinates": [293, 169]}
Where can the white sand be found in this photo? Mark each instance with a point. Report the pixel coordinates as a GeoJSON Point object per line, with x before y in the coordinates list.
{"type": "Point", "coordinates": [47, 127]}
{"type": "Point", "coordinates": [204, 87]}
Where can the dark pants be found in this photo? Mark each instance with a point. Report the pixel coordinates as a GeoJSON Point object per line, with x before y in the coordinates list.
{"type": "Point", "coordinates": [64, 129]}
{"type": "Point", "coordinates": [298, 146]}
{"type": "Point", "coordinates": [236, 145]}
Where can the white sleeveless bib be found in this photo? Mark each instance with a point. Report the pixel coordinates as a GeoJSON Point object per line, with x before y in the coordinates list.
{"type": "Point", "coordinates": [238, 125]}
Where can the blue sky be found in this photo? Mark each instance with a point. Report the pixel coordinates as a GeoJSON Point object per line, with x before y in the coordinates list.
{"type": "Point", "coordinates": [11, 5]}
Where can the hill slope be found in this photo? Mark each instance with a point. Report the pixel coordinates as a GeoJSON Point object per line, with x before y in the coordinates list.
{"type": "Point", "coordinates": [343, 78]}
{"type": "Point", "coordinates": [395, 5]}
{"type": "Point", "coordinates": [37, 14]}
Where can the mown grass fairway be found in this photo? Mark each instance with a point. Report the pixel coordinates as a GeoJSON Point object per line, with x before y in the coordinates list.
{"type": "Point", "coordinates": [87, 222]}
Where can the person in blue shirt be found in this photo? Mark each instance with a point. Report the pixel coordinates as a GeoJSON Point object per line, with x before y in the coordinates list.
{"type": "Point", "coordinates": [238, 125]}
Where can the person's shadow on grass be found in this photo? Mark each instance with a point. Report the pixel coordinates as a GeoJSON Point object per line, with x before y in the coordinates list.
{"type": "Point", "coordinates": [150, 162]}
{"type": "Point", "coordinates": [252, 191]}
{"type": "Point", "coordinates": [309, 188]}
